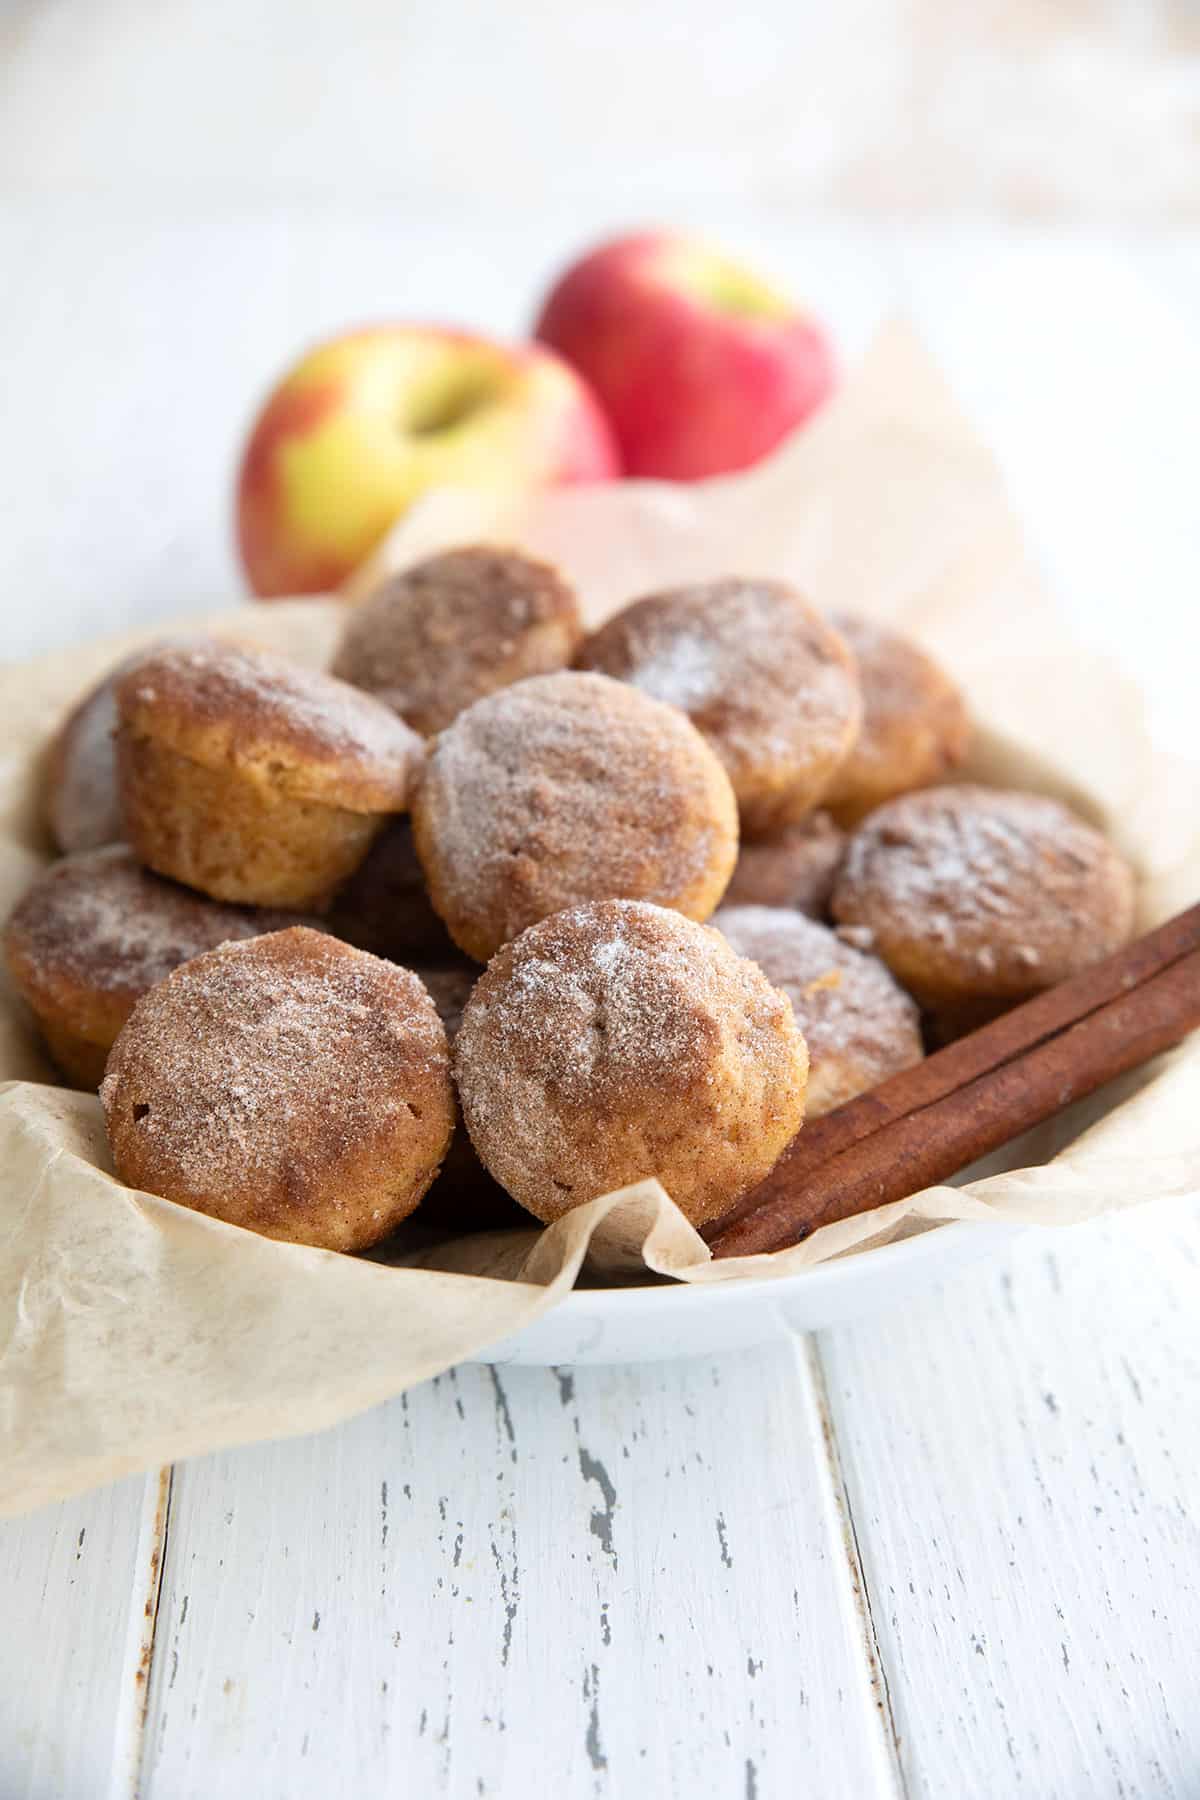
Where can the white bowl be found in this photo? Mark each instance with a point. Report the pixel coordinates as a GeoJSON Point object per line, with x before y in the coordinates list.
{"type": "Point", "coordinates": [658, 1324]}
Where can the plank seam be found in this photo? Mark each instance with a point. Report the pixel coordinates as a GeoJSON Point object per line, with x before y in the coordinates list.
{"type": "Point", "coordinates": [130, 1724]}
{"type": "Point", "coordinates": [860, 1592]}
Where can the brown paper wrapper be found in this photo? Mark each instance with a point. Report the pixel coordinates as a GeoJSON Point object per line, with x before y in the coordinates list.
{"type": "Point", "coordinates": [134, 1331]}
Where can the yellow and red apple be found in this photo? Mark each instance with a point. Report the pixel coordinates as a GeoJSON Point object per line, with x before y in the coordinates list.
{"type": "Point", "coordinates": [361, 427]}
{"type": "Point", "coordinates": [701, 366]}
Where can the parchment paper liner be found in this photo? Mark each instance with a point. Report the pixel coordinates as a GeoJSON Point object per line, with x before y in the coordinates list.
{"type": "Point", "coordinates": [134, 1332]}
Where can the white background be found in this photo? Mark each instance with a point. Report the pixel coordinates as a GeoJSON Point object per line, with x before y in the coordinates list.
{"type": "Point", "coordinates": [950, 1551]}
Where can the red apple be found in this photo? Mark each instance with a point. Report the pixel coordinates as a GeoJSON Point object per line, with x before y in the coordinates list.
{"type": "Point", "coordinates": [701, 366]}
{"type": "Point", "coordinates": [364, 425]}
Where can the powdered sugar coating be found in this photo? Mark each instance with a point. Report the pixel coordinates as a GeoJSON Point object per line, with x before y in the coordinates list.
{"type": "Point", "coordinates": [456, 627]}
{"type": "Point", "coordinates": [617, 1041]}
{"type": "Point", "coordinates": [974, 892]}
{"type": "Point", "coordinates": [83, 808]}
{"type": "Point", "coordinates": [226, 706]}
{"type": "Point", "coordinates": [758, 671]}
{"type": "Point", "coordinates": [567, 788]}
{"type": "Point", "coordinates": [100, 921]}
{"type": "Point", "coordinates": [859, 1024]}
{"type": "Point", "coordinates": [915, 727]}
{"type": "Point", "coordinates": [290, 1084]}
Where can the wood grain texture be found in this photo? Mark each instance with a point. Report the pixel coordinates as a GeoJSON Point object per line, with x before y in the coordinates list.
{"type": "Point", "coordinates": [79, 1585]}
{"type": "Point", "coordinates": [1023, 1465]}
{"type": "Point", "coordinates": [970, 1514]}
{"type": "Point", "coordinates": [949, 1552]}
{"type": "Point", "coordinates": [594, 1576]}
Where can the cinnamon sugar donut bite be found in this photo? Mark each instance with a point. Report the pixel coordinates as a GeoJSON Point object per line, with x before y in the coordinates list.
{"type": "Point", "coordinates": [456, 627]}
{"type": "Point", "coordinates": [568, 788]}
{"type": "Point", "coordinates": [974, 894]}
{"type": "Point", "coordinates": [795, 867]}
{"type": "Point", "coordinates": [915, 727]}
{"type": "Point", "coordinates": [93, 933]}
{"type": "Point", "coordinates": [291, 1085]}
{"type": "Point", "coordinates": [758, 671]}
{"type": "Point", "coordinates": [252, 778]}
{"type": "Point", "coordinates": [80, 801]}
{"type": "Point", "coordinates": [858, 1023]}
{"type": "Point", "coordinates": [618, 1041]}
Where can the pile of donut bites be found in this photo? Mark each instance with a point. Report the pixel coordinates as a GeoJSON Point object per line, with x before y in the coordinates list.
{"type": "Point", "coordinates": [265, 942]}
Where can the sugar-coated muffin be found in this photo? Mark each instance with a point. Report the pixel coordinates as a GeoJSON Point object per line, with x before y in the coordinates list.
{"type": "Point", "coordinates": [385, 905]}
{"type": "Point", "coordinates": [618, 1041]}
{"type": "Point", "coordinates": [795, 867]}
{"type": "Point", "coordinates": [767, 680]}
{"type": "Point", "coordinates": [974, 894]}
{"type": "Point", "coordinates": [93, 933]}
{"type": "Point", "coordinates": [79, 792]}
{"type": "Point", "coordinates": [456, 627]}
{"type": "Point", "coordinates": [252, 778]}
{"type": "Point", "coordinates": [80, 801]}
{"type": "Point", "coordinates": [859, 1024]}
{"type": "Point", "coordinates": [567, 788]}
{"type": "Point", "coordinates": [915, 726]}
{"type": "Point", "coordinates": [291, 1084]}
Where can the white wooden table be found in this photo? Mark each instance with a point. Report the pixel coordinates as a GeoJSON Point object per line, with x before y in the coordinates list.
{"type": "Point", "coordinates": [951, 1551]}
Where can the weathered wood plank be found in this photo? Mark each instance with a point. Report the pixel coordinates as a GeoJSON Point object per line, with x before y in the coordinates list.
{"type": "Point", "coordinates": [630, 1580]}
{"type": "Point", "coordinates": [80, 1585]}
{"type": "Point", "coordinates": [1023, 1461]}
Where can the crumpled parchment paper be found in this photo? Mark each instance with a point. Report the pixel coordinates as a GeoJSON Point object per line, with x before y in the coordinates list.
{"type": "Point", "coordinates": [134, 1332]}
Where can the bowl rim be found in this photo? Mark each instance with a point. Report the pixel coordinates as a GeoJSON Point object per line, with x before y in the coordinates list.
{"type": "Point", "coordinates": [844, 1271]}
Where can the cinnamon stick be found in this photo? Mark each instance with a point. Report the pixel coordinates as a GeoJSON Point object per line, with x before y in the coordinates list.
{"type": "Point", "coordinates": [931, 1121]}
